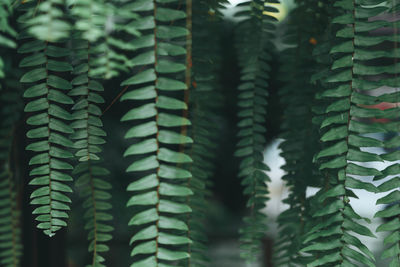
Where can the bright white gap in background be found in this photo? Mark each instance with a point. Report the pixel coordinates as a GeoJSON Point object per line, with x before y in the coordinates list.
{"type": "Point", "coordinates": [235, 2]}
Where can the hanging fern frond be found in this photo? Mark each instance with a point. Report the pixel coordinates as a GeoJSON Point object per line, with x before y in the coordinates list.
{"type": "Point", "coordinates": [332, 239]}
{"type": "Point", "coordinates": [381, 104]}
{"type": "Point", "coordinates": [300, 137]}
{"type": "Point", "coordinates": [10, 214]}
{"type": "Point", "coordinates": [340, 95]}
{"type": "Point", "coordinates": [159, 194]}
{"type": "Point", "coordinates": [48, 111]}
{"type": "Point", "coordinates": [90, 17]}
{"type": "Point", "coordinates": [320, 72]}
{"type": "Point", "coordinates": [7, 33]}
{"type": "Point", "coordinates": [204, 101]}
{"type": "Point", "coordinates": [100, 23]}
{"type": "Point", "coordinates": [88, 137]}
{"type": "Point", "coordinates": [254, 35]}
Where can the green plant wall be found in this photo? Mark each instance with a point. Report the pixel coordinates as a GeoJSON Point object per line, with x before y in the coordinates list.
{"type": "Point", "coordinates": [146, 187]}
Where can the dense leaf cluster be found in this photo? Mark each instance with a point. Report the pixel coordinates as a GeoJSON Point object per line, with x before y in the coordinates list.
{"type": "Point", "coordinates": [338, 63]}
{"type": "Point", "coordinates": [354, 111]}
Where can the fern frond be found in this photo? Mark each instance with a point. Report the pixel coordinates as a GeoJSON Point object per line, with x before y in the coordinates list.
{"type": "Point", "coordinates": [159, 194]}
{"type": "Point", "coordinates": [10, 214]}
{"type": "Point", "coordinates": [253, 48]}
{"type": "Point", "coordinates": [7, 33]}
{"type": "Point", "coordinates": [90, 24]}
{"type": "Point", "coordinates": [89, 137]}
{"type": "Point", "coordinates": [204, 102]}
{"type": "Point", "coordinates": [49, 117]}
{"type": "Point", "coordinates": [300, 136]}
{"type": "Point", "coordinates": [342, 160]}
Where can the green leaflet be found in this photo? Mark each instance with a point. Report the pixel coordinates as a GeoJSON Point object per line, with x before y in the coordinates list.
{"type": "Point", "coordinates": [323, 246]}
{"type": "Point", "coordinates": [140, 94]}
{"type": "Point", "coordinates": [344, 115]}
{"type": "Point", "coordinates": [142, 77]}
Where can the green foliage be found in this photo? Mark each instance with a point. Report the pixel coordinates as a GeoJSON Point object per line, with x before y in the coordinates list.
{"type": "Point", "coordinates": [11, 107]}
{"type": "Point", "coordinates": [160, 193]}
{"type": "Point", "coordinates": [341, 158]}
{"type": "Point", "coordinates": [345, 116]}
{"type": "Point", "coordinates": [254, 47]}
{"type": "Point", "coordinates": [300, 136]}
{"type": "Point", "coordinates": [371, 52]}
{"type": "Point", "coordinates": [7, 33]}
{"type": "Point", "coordinates": [10, 214]}
{"type": "Point", "coordinates": [338, 65]}
{"type": "Point", "coordinates": [204, 103]}
{"type": "Point", "coordinates": [99, 22]}
{"type": "Point", "coordinates": [90, 18]}
{"type": "Point", "coordinates": [47, 93]}
{"type": "Point", "coordinates": [88, 138]}
{"type": "Point", "coordinates": [48, 22]}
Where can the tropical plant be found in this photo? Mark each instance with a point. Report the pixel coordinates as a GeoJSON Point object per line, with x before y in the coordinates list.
{"type": "Point", "coordinates": [64, 64]}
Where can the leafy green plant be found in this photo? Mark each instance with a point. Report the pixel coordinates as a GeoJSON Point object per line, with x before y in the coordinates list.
{"type": "Point", "coordinates": [334, 65]}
